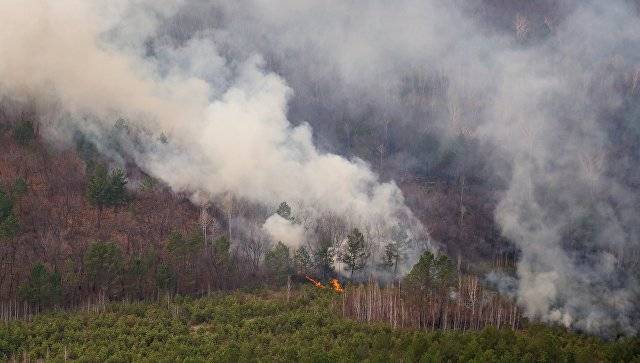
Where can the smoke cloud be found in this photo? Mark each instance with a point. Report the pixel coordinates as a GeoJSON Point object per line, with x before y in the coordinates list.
{"type": "Point", "coordinates": [547, 95]}
{"type": "Point", "coordinates": [236, 85]}
{"type": "Point", "coordinates": [280, 229]}
{"type": "Point", "coordinates": [225, 122]}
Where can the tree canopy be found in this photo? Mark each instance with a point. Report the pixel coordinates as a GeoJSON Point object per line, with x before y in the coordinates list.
{"type": "Point", "coordinates": [302, 260]}
{"type": "Point", "coordinates": [181, 247]}
{"type": "Point", "coordinates": [107, 190]}
{"type": "Point", "coordinates": [284, 211]}
{"type": "Point", "coordinates": [323, 258]}
{"type": "Point", "coordinates": [8, 220]}
{"type": "Point", "coordinates": [42, 287]}
{"type": "Point", "coordinates": [266, 327]}
{"type": "Point", "coordinates": [24, 132]}
{"type": "Point", "coordinates": [278, 263]}
{"type": "Point", "coordinates": [431, 272]}
{"type": "Point", "coordinates": [355, 253]}
{"type": "Point", "coordinates": [104, 264]}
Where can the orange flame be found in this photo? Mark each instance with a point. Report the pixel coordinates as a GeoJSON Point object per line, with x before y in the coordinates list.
{"type": "Point", "coordinates": [315, 282]}
{"type": "Point", "coordinates": [336, 285]}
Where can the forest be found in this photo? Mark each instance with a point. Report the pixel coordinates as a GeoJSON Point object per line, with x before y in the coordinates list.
{"type": "Point", "coordinates": [104, 241]}
{"type": "Point", "coordinates": [107, 294]}
{"type": "Point", "coordinates": [417, 180]}
{"type": "Point", "coordinates": [302, 325]}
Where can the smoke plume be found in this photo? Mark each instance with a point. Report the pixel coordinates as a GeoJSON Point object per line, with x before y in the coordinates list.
{"type": "Point", "coordinates": [204, 124]}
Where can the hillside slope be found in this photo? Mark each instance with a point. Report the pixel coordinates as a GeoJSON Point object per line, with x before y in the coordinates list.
{"type": "Point", "coordinates": [157, 231]}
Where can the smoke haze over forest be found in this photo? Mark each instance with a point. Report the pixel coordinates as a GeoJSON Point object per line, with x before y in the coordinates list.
{"type": "Point", "coordinates": [328, 105]}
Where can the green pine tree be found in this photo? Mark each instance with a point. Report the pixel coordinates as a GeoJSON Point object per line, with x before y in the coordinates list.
{"type": "Point", "coordinates": [302, 260]}
{"type": "Point", "coordinates": [431, 273]}
{"type": "Point", "coordinates": [355, 253]}
{"type": "Point", "coordinates": [19, 188]}
{"type": "Point", "coordinates": [323, 258]}
{"type": "Point", "coordinates": [278, 263]}
{"type": "Point", "coordinates": [106, 190]}
{"type": "Point", "coordinates": [42, 287]}
{"type": "Point", "coordinates": [391, 258]}
{"type": "Point", "coordinates": [284, 211]}
{"type": "Point", "coordinates": [24, 132]}
{"type": "Point", "coordinates": [8, 221]}
{"type": "Point", "coordinates": [103, 262]}
{"type": "Point", "coordinates": [165, 278]}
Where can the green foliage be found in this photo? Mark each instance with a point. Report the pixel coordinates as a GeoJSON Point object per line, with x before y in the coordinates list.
{"type": "Point", "coordinates": [19, 188]}
{"type": "Point", "coordinates": [8, 221]}
{"type": "Point", "coordinates": [355, 254]}
{"type": "Point", "coordinates": [183, 253]}
{"type": "Point", "coordinates": [395, 251]}
{"type": "Point", "coordinates": [323, 258]}
{"type": "Point", "coordinates": [103, 262]}
{"type": "Point", "coordinates": [390, 258]}
{"type": "Point", "coordinates": [284, 211]}
{"type": "Point", "coordinates": [302, 260]}
{"type": "Point", "coordinates": [431, 273]}
{"type": "Point", "coordinates": [135, 273]}
{"type": "Point", "coordinates": [165, 278]}
{"type": "Point", "coordinates": [107, 190]}
{"type": "Point", "coordinates": [6, 205]}
{"type": "Point", "coordinates": [267, 328]}
{"type": "Point", "coordinates": [444, 272]}
{"type": "Point", "coordinates": [24, 132]}
{"type": "Point", "coordinates": [278, 263]}
{"type": "Point", "coordinates": [180, 247]}
{"type": "Point", "coordinates": [148, 184]}
{"type": "Point", "coordinates": [221, 251]}
{"type": "Point", "coordinates": [42, 287]}
{"type": "Point", "coordinates": [137, 267]}
{"type": "Point", "coordinates": [118, 192]}
{"type": "Point", "coordinates": [9, 226]}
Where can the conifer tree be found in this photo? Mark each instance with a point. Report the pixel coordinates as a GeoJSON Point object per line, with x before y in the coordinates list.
{"type": "Point", "coordinates": [431, 273]}
{"type": "Point", "coordinates": [284, 211]}
{"type": "Point", "coordinates": [278, 263]}
{"type": "Point", "coordinates": [24, 132]}
{"type": "Point", "coordinates": [391, 258]}
{"type": "Point", "coordinates": [42, 287]}
{"type": "Point", "coordinates": [355, 254]}
{"type": "Point", "coordinates": [104, 263]}
{"type": "Point", "coordinates": [302, 260]}
{"type": "Point", "coordinates": [323, 258]}
{"type": "Point", "coordinates": [8, 221]}
{"type": "Point", "coordinates": [106, 190]}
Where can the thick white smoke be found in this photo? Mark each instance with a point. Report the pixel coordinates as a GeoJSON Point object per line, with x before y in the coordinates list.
{"type": "Point", "coordinates": [538, 99]}
{"type": "Point", "coordinates": [284, 230]}
{"type": "Point", "coordinates": [547, 114]}
{"type": "Point", "coordinates": [226, 124]}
